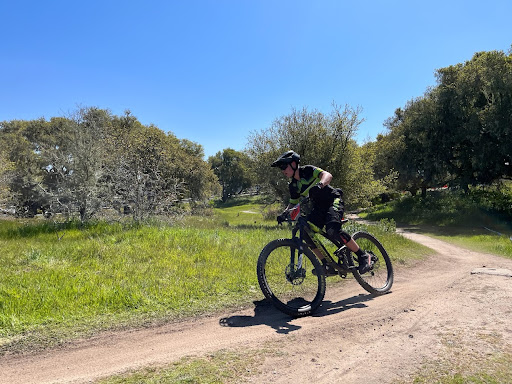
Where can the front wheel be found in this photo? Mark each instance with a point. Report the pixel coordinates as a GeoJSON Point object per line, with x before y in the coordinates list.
{"type": "Point", "coordinates": [291, 287]}
{"type": "Point", "coordinates": [380, 278]}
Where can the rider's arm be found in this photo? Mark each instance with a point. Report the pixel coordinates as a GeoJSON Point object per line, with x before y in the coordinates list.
{"type": "Point", "coordinates": [325, 179]}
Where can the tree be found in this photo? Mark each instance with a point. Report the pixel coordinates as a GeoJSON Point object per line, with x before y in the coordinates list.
{"type": "Point", "coordinates": [459, 132]}
{"type": "Point", "coordinates": [6, 167]}
{"type": "Point", "coordinates": [190, 166]}
{"type": "Point", "coordinates": [22, 152]}
{"type": "Point", "coordinates": [326, 141]}
{"type": "Point", "coordinates": [475, 99]}
{"type": "Point", "coordinates": [231, 168]}
{"type": "Point", "coordinates": [141, 175]}
{"type": "Point", "coordinates": [92, 159]}
{"type": "Point", "coordinates": [151, 171]}
{"type": "Point", "coordinates": [74, 162]}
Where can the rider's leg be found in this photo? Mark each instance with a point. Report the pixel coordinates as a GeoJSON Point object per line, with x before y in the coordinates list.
{"type": "Point", "coordinates": [334, 231]}
{"type": "Point", "coordinates": [319, 254]}
{"type": "Point", "coordinates": [316, 216]}
{"type": "Point", "coordinates": [329, 271]}
{"type": "Point", "coordinates": [363, 258]}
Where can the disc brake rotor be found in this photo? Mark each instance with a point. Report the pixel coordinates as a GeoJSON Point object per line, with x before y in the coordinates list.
{"type": "Point", "coordinates": [295, 276]}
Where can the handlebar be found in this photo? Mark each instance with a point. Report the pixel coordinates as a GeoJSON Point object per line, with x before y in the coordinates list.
{"type": "Point", "coordinates": [292, 213]}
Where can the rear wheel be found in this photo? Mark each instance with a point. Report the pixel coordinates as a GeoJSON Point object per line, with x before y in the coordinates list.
{"type": "Point", "coordinates": [294, 290]}
{"type": "Point", "coordinates": [380, 278]}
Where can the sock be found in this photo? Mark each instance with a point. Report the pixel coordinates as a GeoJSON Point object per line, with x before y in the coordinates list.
{"type": "Point", "coordinates": [360, 252]}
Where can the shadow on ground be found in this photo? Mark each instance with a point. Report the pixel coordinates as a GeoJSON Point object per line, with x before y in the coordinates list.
{"type": "Point", "coordinates": [266, 314]}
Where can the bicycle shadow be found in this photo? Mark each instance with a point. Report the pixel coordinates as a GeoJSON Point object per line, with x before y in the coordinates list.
{"type": "Point", "coordinates": [264, 314]}
{"type": "Point", "coordinates": [329, 308]}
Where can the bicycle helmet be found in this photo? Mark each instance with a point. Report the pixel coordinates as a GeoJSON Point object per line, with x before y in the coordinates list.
{"type": "Point", "coordinates": [286, 158]}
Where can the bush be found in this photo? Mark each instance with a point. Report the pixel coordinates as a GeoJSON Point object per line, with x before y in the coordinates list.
{"type": "Point", "coordinates": [495, 201]}
{"type": "Point", "coordinates": [270, 212]}
{"type": "Point", "coordinates": [447, 207]}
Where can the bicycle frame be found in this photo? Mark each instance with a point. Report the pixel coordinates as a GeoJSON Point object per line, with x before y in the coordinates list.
{"type": "Point", "coordinates": [344, 265]}
{"type": "Point", "coordinates": [302, 292]}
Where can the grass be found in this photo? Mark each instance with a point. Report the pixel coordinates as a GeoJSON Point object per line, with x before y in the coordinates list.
{"type": "Point", "coordinates": [460, 363]}
{"type": "Point", "coordinates": [494, 369]}
{"type": "Point", "coordinates": [220, 367]}
{"type": "Point", "coordinates": [104, 276]}
{"type": "Point", "coordinates": [66, 280]}
{"type": "Point", "coordinates": [480, 220]}
{"type": "Point", "coordinates": [477, 240]}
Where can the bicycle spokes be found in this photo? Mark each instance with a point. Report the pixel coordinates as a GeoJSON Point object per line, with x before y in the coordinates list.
{"type": "Point", "coordinates": [285, 277]}
{"type": "Point", "coordinates": [380, 277]}
{"type": "Point", "coordinates": [294, 274]}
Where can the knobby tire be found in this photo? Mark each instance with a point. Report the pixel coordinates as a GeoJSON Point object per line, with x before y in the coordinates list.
{"type": "Point", "coordinates": [296, 293]}
{"type": "Point", "coordinates": [380, 279]}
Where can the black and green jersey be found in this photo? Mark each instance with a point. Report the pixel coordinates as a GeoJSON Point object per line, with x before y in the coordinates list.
{"type": "Point", "coordinates": [309, 176]}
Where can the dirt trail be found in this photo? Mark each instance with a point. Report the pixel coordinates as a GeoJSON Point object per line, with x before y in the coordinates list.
{"type": "Point", "coordinates": [436, 303]}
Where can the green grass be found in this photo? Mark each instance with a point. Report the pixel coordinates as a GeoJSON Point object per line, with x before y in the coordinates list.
{"type": "Point", "coordinates": [66, 280]}
{"type": "Point", "coordinates": [480, 220]}
{"type": "Point", "coordinates": [493, 369]}
{"type": "Point", "coordinates": [460, 363]}
{"type": "Point", "coordinates": [220, 367]}
{"type": "Point", "coordinates": [478, 240]}
{"type": "Point", "coordinates": [240, 212]}
{"type": "Point", "coordinates": [106, 275]}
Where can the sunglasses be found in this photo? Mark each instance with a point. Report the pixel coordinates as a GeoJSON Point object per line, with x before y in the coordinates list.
{"type": "Point", "coordinates": [283, 166]}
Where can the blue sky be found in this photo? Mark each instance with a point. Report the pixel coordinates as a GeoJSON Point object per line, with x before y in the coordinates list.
{"type": "Point", "coordinates": [214, 71]}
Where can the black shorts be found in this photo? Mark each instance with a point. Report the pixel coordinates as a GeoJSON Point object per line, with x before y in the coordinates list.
{"type": "Point", "coordinates": [327, 215]}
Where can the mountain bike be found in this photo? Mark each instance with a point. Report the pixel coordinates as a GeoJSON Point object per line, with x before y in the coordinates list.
{"type": "Point", "coordinates": [285, 266]}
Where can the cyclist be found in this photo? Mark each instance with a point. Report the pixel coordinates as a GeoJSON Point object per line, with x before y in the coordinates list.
{"type": "Point", "coordinates": [327, 202]}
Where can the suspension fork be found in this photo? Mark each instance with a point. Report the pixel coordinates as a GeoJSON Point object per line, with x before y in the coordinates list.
{"type": "Point", "coordinates": [300, 244]}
